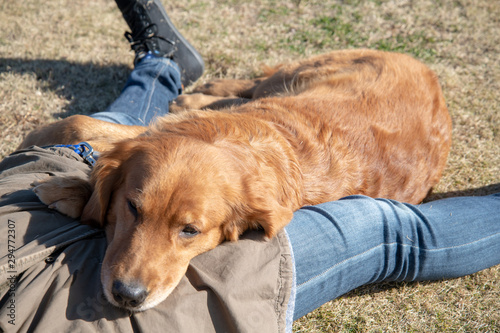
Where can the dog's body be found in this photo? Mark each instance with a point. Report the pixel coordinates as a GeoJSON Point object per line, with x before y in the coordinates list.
{"type": "Point", "coordinates": [348, 122]}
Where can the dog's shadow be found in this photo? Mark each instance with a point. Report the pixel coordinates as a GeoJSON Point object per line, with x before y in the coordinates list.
{"type": "Point", "coordinates": [471, 192]}
{"type": "Point", "coordinates": [87, 87]}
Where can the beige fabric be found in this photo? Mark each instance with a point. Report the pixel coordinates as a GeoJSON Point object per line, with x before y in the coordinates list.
{"type": "Point", "coordinates": [54, 285]}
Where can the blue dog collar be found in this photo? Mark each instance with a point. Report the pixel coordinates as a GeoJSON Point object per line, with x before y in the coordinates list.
{"type": "Point", "coordinates": [84, 150]}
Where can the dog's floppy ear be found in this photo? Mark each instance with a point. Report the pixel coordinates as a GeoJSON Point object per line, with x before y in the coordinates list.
{"type": "Point", "coordinates": [105, 179]}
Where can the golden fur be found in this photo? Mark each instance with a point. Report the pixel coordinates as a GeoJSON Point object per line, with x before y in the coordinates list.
{"type": "Point", "coordinates": [347, 122]}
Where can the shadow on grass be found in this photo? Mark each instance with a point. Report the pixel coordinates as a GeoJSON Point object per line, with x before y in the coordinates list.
{"type": "Point", "coordinates": [478, 191]}
{"type": "Point", "coordinates": [88, 87]}
{"type": "Point", "coordinates": [381, 287]}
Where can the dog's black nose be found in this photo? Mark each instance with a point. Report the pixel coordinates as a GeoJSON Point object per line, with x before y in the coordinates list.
{"type": "Point", "coordinates": [128, 295]}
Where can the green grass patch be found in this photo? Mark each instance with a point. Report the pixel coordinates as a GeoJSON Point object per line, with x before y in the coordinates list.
{"type": "Point", "coordinates": [417, 45]}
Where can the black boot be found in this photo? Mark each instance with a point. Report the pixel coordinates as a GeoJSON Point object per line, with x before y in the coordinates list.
{"type": "Point", "coordinates": [153, 32]}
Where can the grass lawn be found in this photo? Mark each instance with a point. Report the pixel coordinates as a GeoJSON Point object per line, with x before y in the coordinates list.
{"type": "Point", "coordinates": [62, 57]}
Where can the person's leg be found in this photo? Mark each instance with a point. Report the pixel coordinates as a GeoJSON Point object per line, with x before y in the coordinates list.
{"type": "Point", "coordinates": [153, 83]}
{"type": "Point", "coordinates": [341, 245]}
{"type": "Point", "coordinates": [164, 63]}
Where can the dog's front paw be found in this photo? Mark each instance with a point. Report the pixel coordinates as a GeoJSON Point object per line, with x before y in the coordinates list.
{"type": "Point", "coordinates": [67, 195]}
{"type": "Point", "coordinates": [189, 102]}
{"type": "Point", "coordinates": [194, 102]}
{"type": "Point", "coordinates": [222, 87]}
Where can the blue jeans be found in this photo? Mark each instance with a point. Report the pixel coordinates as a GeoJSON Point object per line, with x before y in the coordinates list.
{"type": "Point", "coordinates": [150, 87]}
{"type": "Point", "coordinates": [341, 245]}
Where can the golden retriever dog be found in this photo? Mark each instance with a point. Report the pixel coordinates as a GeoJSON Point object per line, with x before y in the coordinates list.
{"type": "Point", "coordinates": [347, 122]}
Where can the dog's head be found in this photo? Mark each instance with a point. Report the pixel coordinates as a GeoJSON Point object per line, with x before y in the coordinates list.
{"type": "Point", "coordinates": [163, 200]}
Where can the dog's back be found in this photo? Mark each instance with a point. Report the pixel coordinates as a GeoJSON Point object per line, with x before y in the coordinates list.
{"type": "Point", "coordinates": [361, 122]}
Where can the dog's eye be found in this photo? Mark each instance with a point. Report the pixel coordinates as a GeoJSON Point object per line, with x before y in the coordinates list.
{"type": "Point", "coordinates": [189, 231]}
{"type": "Point", "coordinates": [133, 208]}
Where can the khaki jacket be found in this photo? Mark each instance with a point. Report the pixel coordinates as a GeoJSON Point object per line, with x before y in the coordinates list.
{"type": "Point", "coordinates": [50, 269]}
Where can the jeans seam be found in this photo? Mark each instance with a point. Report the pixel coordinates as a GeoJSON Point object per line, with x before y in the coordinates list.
{"type": "Point", "coordinates": [160, 68]}
{"type": "Point", "coordinates": [145, 109]}
{"type": "Point", "coordinates": [386, 244]}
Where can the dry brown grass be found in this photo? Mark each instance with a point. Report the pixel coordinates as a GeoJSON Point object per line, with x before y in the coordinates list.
{"type": "Point", "coordinates": [64, 57]}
